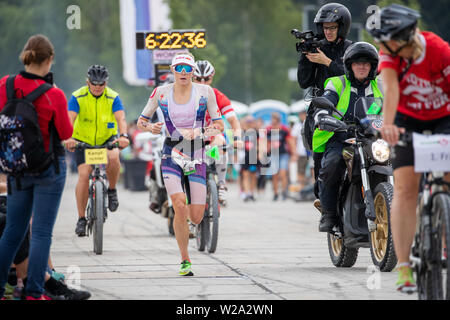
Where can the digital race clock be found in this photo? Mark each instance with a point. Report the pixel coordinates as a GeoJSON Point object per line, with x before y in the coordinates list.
{"type": "Point", "coordinates": [171, 40]}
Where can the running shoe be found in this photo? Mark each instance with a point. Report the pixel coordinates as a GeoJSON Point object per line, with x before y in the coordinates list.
{"type": "Point", "coordinates": [406, 282]}
{"type": "Point", "coordinates": [60, 289]}
{"type": "Point", "coordinates": [186, 269]}
{"type": "Point", "coordinates": [58, 276]}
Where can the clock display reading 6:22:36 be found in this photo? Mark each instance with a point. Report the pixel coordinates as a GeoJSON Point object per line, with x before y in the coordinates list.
{"type": "Point", "coordinates": [171, 40]}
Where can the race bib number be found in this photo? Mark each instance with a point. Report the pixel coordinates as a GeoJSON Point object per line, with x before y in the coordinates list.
{"type": "Point", "coordinates": [96, 156]}
{"type": "Point", "coordinates": [431, 152]}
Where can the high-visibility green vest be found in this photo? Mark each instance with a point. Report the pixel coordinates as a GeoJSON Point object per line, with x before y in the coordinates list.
{"type": "Point", "coordinates": [343, 88]}
{"type": "Point", "coordinates": [95, 122]}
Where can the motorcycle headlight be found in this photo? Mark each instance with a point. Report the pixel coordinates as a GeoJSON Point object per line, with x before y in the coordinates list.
{"type": "Point", "coordinates": [380, 150]}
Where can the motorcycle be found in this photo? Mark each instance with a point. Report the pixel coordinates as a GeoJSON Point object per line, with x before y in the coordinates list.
{"type": "Point", "coordinates": [365, 196]}
{"type": "Point", "coordinates": [159, 202]}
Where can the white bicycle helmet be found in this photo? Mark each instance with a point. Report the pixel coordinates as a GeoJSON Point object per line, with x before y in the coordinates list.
{"type": "Point", "coordinates": [204, 69]}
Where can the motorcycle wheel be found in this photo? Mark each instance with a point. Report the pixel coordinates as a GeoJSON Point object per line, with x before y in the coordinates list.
{"type": "Point", "coordinates": [341, 255]}
{"type": "Point", "coordinates": [381, 243]}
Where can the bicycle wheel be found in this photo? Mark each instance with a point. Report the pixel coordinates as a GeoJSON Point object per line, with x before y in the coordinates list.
{"type": "Point", "coordinates": [202, 234]}
{"type": "Point", "coordinates": [441, 204]}
{"type": "Point", "coordinates": [429, 277]}
{"type": "Point", "coordinates": [98, 213]}
{"type": "Point", "coordinates": [212, 218]}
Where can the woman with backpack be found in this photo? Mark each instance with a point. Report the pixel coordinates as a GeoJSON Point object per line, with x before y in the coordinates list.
{"type": "Point", "coordinates": [36, 176]}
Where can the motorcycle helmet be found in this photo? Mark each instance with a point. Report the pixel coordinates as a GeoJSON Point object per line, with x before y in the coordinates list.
{"type": "Point", "coordinates": [396, 22]}
{"type": "Point", "coordinates": [97, 74]}
{"type": "Point", "coordinates": [334, 12]}
{"type": "Point", "coordinates": [204, 69]}
{"type": "Point", "coordinates": [360, 52]}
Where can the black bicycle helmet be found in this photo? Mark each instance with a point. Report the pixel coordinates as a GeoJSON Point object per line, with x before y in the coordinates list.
{"type": "Point", "coordinates": [204, 69]}
{"type": "Point", "coordinates": [395, 22]}
{"type": "Point", "coordinates": [360, 52]}
{"type": "Point", "coordinates": [97, 74]}
{"type": "Point", "coordinates": [334, 12]}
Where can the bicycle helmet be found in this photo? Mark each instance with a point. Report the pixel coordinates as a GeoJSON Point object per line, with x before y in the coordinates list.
{"type": "Point", "coordinates": [97, 74]}
{"type": "Point", "coordinates": [204, 69]}
{"type": "Point", "coordinates": [334, 12]}
{"type": "Point", "coordinates": [395, 22]}
{"type": "Point", "coordinates": [360, 52]}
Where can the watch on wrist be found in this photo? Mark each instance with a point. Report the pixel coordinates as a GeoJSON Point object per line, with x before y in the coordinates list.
{"type": "Point", "coordinates": [125, 135]}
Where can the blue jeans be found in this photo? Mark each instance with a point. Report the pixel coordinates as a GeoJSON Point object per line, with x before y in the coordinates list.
{"type": "Point", "coordinates": [39, 196]}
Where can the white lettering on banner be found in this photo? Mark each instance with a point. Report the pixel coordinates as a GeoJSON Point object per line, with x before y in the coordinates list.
{"type": "Point", "coordinates": [431, 152]}
{"type": "Point", "coordinates": [160, 56]}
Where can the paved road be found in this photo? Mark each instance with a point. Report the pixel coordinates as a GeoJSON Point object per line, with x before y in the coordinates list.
{"type": "Point", "coordinates": [267, 251]}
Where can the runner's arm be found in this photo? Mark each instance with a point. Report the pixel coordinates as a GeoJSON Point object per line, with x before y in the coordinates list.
{"type": "Point", "coordinates": [144, 119]}
{"type": "Point", "coordinates": [389, 131]}
{"type": "Point", "coordinates": [213, 110]}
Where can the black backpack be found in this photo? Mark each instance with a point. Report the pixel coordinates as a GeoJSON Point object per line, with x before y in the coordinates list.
{"type": "Point", "coordinates": [21, 143]}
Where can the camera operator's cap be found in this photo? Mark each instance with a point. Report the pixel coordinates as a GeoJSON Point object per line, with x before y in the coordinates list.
{"type": "Point", "coordinates": [183, 59]}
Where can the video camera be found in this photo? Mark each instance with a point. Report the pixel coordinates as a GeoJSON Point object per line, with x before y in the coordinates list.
{"type": "Point", "coordinates": [310, 41]}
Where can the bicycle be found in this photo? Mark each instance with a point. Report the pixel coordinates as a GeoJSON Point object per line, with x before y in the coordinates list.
{"type": "Point", "coordinates": [429, 254]}
{"type": "Point", "coordinates": [96, 210]}
{"type": "Point", "coordinates": [208, 229]}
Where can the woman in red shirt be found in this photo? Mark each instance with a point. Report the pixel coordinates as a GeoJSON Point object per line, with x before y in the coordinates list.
{"type": "Point", "coordinates": [37, 195]}
{"type": "Point", "coordinates": [415, 69]}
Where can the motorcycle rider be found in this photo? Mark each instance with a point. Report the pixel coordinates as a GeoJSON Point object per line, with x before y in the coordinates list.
{"type": "Point", "coordinates": [360, 65]}
{"type": "Point", "coordinates": [333, 21]}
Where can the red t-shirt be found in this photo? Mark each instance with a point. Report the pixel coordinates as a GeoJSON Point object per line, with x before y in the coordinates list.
{"type": "Point", "coordinates": [425, 88]}
{"type": "Point", "coordinates": [50, 105]}
{"type": "Point", "coordinates": [224, 105]}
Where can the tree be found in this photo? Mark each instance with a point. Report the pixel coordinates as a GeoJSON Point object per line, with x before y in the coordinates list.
{"type": "Point", "coordinates": [253, 43]}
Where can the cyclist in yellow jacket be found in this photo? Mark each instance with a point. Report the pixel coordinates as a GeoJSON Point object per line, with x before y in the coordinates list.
{"type": "Point", "coordinates": [98, 117]}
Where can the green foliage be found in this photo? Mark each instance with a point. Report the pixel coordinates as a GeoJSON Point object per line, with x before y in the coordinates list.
{"type": "Point", "coordinates": [97, 42]}
{"type": "Point", "coordinates": [249, 44]}
{"type": "Point", "coordinates": [249, 41]}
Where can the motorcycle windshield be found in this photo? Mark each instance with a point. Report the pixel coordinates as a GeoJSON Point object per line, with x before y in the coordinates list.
{"type": "Point", "coordinates": [369, 108]}
{"type": "Point", "coordinates": [368, 112]}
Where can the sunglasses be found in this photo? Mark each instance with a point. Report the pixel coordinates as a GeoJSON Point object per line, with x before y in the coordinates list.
{"type": "Point", "coordinates": [180, 67]}
{"type": "Point", "coordinates": [199, 79]}
{"type": "Point", "coordinates": [97, 83]}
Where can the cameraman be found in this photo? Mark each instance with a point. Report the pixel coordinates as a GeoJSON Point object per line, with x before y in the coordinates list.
{"type": "Point", "coordinates": [333, 25]}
